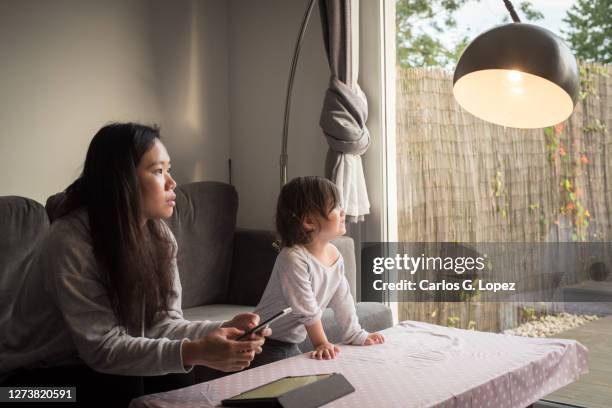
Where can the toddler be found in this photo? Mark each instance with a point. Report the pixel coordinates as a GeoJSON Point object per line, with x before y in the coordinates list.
{"type": "Point", "coordinates": [308, 275]}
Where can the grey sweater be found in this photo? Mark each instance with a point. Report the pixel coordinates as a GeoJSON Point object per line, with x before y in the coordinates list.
{"type": "Point", "coordinates": [303, 283]}
{"type": "Point", "coordinates": [63, 315]}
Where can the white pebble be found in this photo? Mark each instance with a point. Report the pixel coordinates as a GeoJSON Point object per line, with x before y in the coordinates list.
{"type": "Point", "coordinates": [550, 325]}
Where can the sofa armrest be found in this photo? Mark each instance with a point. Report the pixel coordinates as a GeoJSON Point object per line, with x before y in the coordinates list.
{"type": "Point", "coordinates": [253, 259]}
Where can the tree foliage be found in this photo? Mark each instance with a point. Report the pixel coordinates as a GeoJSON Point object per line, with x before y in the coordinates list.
{"type": "Point", "coordinates": [420, 23]}
{"type": "Point", "coordinates": [590, 30]}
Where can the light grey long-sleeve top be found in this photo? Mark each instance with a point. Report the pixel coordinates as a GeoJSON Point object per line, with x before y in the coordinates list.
{"type": "Point", "coordinates": [300, 281]}
{"type": "Point", "coordinates": [63, 314]}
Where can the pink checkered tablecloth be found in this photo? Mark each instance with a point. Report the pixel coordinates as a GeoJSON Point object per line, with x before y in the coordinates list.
{"type": "Point", "coordinates": [420, 365]}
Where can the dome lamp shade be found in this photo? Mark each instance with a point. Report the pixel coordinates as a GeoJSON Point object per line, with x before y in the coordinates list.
{"type": "Point", "coordinates": [517, 75]}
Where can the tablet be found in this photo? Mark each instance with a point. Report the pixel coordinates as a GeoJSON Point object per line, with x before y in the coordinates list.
{"type": "Point", "coordinates": [328, 386]}
{"type": "Point", "coordinates": [279, 387]}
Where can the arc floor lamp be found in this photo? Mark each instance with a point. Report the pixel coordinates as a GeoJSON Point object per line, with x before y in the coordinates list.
{"type": "Point", "coordinates": [517, 75]}
{"type": "Point", "coordinates": [296, 55]}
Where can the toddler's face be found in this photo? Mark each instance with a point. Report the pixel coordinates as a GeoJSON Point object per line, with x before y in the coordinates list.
{"type": "Point", "coordinates": [333, 226]}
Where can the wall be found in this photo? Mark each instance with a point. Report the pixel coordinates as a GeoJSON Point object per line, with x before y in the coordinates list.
{"type": "Point", "coordinates": [262, 36]}
{"type": "Point", "coordinates": [212, 73]}
{"type": "Point", "coordinates": [190, 54]}
{"type": "Point", "coordinates": [68, 67]}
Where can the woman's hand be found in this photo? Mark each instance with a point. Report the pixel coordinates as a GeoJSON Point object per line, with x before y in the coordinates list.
{"type": "Point", "coordinates": [374, 338]}
{"type": "Point", "coordinates": [325, 351]}
{"type": "Point", "coordinates": [243, 321]}
{"type": "Point", "coordinates": [221, 351]}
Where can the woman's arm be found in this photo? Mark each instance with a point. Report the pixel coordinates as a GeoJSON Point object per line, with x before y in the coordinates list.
{"type": "Point", "coordinates": [101, 342]}
{"type": "Point", "coordinates": [73, 279]}
{"type": "Point", "coordinates": [172, 325]}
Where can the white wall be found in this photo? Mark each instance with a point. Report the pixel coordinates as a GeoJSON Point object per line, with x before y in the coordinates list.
{"type": "Point", "coordinates": [212, 73]}
{"type": "Point", "coordinates": [190, 53]}
{"type": "Point", "coordinates": [70, 66]}
{"type": "Point", "coordinates": [262, 36]}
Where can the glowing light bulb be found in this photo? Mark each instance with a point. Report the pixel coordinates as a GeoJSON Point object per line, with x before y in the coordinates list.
{"type": "Point", "coordinates": [515, 76]}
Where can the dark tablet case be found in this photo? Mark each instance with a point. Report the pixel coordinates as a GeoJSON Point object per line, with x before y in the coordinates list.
{"type": "Point", "coordinates": [309, 396]}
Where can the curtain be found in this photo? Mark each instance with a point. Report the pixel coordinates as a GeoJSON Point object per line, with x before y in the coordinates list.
{"type": "Point", "coordinates": [345, 108]}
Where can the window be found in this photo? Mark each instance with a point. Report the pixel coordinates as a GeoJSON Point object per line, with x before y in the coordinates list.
{"type": "Point", "coordinates": [455, 178]}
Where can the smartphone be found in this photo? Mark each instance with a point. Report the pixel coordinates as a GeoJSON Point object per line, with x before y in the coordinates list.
{"type": "Point", "coordinates": [266, 323]}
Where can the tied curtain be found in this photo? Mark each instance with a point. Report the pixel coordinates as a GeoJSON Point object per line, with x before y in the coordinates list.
{"type": "Point", "coordinates": [345, 107]}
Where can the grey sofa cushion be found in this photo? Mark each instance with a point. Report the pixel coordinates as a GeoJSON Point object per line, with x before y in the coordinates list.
{"type": "Point", "coordinates": [22, 223]}
{"type": "Point", "coordinates": [216, 312]}
{"type": "Point", "coordinates": [204, 222]}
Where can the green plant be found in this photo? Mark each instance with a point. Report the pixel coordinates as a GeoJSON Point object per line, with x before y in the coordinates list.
{"type": "Point", "coordinates": [527, 313]}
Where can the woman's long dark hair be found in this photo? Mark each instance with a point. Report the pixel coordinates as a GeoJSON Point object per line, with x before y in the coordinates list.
{"type": "Point", "coordinates": [137, 260]}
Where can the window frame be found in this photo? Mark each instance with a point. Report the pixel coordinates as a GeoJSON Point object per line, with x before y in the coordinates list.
{"type": "Point", "coordinates": [377, 79]}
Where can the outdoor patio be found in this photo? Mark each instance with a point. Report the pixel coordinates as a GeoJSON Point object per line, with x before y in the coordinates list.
{"type": "Point", "coordinates": [593, 390]}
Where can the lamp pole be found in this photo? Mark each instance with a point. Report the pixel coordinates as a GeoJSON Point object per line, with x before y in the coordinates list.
{"type": "Point", "coordinates": [296, 54]}
{"type": "Point", "coordinates": [512, 12]}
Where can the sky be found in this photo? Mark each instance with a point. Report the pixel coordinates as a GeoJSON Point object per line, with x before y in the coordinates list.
{"type": "Point", "coordinates": [475, 17]}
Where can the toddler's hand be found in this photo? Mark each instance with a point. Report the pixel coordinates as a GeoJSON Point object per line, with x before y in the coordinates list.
{"type": "Point", "coordinates": [374, 338]}
{"type": "Point", "coordinates": [325, 351]}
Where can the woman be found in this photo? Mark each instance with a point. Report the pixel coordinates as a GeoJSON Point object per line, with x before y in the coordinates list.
{"type": "Point", "coordinates": [100, 308]}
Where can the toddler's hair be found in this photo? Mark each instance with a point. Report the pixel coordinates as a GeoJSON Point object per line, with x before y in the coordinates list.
{"type": "Point", "coordinates": [300, 197]}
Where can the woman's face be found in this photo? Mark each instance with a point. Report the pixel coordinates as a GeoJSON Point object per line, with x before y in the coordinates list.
{"type": "Point", "coordinates": [156, 184]}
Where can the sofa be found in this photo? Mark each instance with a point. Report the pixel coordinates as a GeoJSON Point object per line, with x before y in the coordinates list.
{"type": "Point", "coordinates": [223, 270]}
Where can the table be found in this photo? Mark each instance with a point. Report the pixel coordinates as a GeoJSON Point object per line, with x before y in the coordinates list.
{"type": "Point", "coordinates": [420, 365]}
